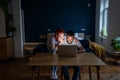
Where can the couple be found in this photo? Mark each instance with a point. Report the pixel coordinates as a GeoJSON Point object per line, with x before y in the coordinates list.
{"type": "Point", "coordinates": [58, 39]}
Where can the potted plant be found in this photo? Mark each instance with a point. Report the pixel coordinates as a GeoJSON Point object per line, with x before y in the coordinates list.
{"type": "Point", "coordinates": [103, 33]}
{"type": "Point", "coordinates": [116, 43]}
{"type": "Point", "coordinates": [10, 29]}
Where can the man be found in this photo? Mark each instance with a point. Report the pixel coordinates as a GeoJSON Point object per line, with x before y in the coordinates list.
{"type": "Point", "coordinates": [70, 39]}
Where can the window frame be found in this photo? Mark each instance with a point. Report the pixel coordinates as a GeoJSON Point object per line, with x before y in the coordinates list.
{"type": "Point", "coordinates": [103, 24]}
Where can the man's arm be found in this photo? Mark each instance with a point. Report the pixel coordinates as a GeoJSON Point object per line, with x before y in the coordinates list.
{"type": "Point", "coordinates": [80, 47]}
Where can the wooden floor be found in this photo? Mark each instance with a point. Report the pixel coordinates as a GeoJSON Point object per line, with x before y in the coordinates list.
{"type": "Point", "coordinates": [16, 69]}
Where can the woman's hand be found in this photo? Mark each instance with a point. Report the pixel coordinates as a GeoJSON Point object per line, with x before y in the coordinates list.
{"type": "Point", "coordinates": [60, 40]}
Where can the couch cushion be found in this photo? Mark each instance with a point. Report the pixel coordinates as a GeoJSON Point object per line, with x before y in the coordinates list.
{"type": "Point", "coordinates": [40, 48]}
{"type": "Point", "coordinates": [85, 44]}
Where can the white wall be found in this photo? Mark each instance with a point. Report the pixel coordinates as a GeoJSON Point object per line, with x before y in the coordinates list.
{"type": "Point", "coordinates": [18, 41]}
{"type": "Point", "coordinates": [113, 23]}
{"type": "Point", "coordinates": [2, 25]}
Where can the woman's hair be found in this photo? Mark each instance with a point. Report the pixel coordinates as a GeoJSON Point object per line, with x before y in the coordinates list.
{"type": "Point", "coordinates": [58, 31]}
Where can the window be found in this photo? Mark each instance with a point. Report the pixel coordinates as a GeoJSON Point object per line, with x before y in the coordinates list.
{"type": "Point", "coordinates": [103, 27]}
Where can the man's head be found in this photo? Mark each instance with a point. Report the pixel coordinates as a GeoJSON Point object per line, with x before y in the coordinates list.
{"type": "Point", "coordinates": [70, 37]}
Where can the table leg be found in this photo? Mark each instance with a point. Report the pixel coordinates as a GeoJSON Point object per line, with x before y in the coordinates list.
{"type": "Point", "coordinates": [117, 57]}
{"type": "Point", "coordinates": [33, 73]}
{"type": "Point", "coordinates": [98, 74]}
{"type": "Point", "coordinates": [38, 73]}
{"type": "Point", "coordinates": [90, 73]}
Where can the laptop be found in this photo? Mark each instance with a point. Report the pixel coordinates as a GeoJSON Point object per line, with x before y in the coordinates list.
{"type": "Point", "coordinates": [67, 50]}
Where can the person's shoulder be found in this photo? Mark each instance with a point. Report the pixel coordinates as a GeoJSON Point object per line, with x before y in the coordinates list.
{"type": "Point", "coordinates": [76, 40]}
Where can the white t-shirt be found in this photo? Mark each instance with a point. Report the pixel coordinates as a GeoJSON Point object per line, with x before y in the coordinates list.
{"type": "Point", "coordinates": [74, 42]}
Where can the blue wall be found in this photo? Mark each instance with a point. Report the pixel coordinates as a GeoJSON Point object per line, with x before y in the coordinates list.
{"type": "Point", "coordinates": [41, 15]}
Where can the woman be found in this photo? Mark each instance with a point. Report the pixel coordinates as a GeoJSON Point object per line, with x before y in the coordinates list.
{"type": "Point", "coordinates": [56, 40]}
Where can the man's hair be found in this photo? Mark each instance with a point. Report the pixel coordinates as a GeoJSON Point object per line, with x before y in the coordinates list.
{"type": "Point", "coordinates": [70, 33]}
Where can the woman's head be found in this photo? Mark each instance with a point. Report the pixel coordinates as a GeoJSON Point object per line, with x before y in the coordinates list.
{"type": "Point", "coordinates": [59, 34]}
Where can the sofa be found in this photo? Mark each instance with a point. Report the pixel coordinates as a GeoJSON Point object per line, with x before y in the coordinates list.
{"type": "Point", "coordinates": [99, 50]}
{"type": "Point", "coordinates": [88, 45]}
{"type": "Point", "coordinates": [94, 47]}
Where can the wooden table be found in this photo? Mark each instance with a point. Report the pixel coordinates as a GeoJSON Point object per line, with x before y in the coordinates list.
{"type": "Point", "coordinates": [83, 59]}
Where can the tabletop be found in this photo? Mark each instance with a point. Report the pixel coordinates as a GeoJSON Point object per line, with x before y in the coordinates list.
{"type": "Point", "coordinates": [82, 59]}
